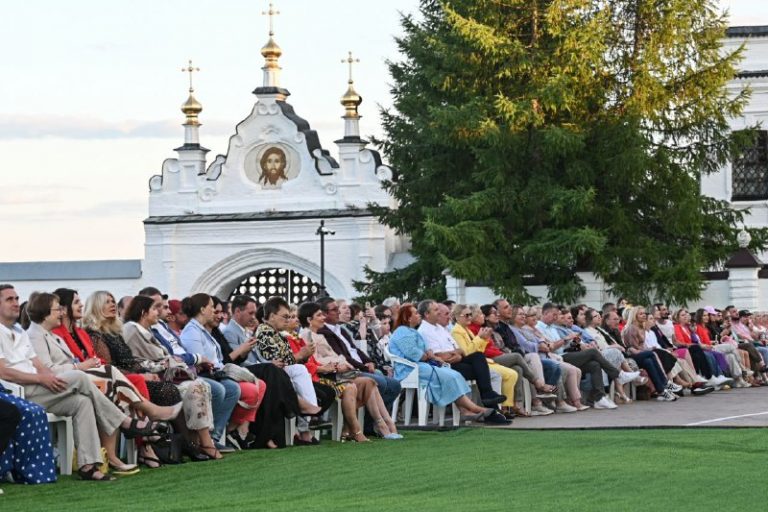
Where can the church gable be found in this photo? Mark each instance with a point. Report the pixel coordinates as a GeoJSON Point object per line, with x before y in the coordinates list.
{"type": "Point", "coordinates": [274, 161]}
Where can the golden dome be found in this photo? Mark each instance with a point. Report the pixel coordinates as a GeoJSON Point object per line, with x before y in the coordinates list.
{"type": "Point", "coordinates": [351, 100]}
{"type": "Point", "coordinates": [271, 49]}
{"type": "Point", "coordinates": [191, 108]}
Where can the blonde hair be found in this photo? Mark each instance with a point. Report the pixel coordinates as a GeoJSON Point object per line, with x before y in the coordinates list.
{"type": "Point", "coordinates": [93, 316]}
{"type": "Point", "coordinates": [473, 310]}
{"type": "Point", "coordinates": [456, 311]}
{"type": "Point", "coordinates": [630, 316]}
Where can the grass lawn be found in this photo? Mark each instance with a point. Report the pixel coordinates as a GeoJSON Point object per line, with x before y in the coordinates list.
{"type": "Point", "coordinates": [466, 470]}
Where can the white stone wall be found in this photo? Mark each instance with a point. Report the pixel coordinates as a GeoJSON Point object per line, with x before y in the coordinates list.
{"type": "Point", "coordinates": [214, 257]}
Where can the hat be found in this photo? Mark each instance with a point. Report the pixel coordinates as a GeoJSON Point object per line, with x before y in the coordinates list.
{"type": "Point", "coordinates": [710, 310]}
{"type": "Point", "coordinates": [174, 305]}
{"type": "Point", "coordinates": [744, 312]}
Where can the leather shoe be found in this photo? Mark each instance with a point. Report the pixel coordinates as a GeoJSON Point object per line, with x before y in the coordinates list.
{"type": "Point", "coordinates": [492, 400]}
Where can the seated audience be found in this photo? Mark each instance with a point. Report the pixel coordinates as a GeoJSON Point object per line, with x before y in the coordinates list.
{"type": "Point", "coordinates": [444, 385]}
{"type": "Point", "coordinates": [69, 393]}
{"type": "Point", "coordinates": [157, 366]}
{"type": "Point", "coordinates": [335, 371]}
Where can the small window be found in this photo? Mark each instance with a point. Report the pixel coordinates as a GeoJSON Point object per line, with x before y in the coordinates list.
{"type": "Point", "coordinates": [750, 171]}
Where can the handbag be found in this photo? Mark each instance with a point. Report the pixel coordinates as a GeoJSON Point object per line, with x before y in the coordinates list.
{"type": "Point", "coordinates": [238, 373]}
{"type": "Point", "coordinates": [179, 374]}
{"type": "Point", "coordinates": [168, 448]}
{"type": "Point", "coordinates": [348, 375]}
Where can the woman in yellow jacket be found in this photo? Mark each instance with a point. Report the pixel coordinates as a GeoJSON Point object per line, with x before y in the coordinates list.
{"type": "Point", "coordinates": [471, 343]}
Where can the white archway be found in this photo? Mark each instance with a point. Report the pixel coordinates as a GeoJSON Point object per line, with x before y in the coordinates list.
{"type": "Point", "coordinates": [223, 276]}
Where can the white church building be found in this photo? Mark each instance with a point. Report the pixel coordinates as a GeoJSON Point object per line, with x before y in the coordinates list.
{"type": "Point", "coordinates": [249, 221]}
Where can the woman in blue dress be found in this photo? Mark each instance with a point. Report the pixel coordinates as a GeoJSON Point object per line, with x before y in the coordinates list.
{"type": "Point", "coordinates": [28, 455]}
{"type": "Point", "coordinates": [444, 386]}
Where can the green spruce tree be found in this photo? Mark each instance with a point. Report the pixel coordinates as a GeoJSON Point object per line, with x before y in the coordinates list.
{"type": "Point", "coordinates": [535, 138]}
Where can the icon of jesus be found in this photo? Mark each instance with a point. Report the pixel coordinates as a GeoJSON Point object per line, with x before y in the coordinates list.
{"type": "Point", "coordinates": [273, 164]}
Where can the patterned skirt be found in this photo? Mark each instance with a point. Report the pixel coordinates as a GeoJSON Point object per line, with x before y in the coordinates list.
{"type": "Point", "coordinates": [115, 386]}
{"type": "Point", "coordinates": [338, 387]}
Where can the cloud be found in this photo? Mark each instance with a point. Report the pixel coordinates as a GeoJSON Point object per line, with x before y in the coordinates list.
{"type": "Point", "coordinates": [70, 127]}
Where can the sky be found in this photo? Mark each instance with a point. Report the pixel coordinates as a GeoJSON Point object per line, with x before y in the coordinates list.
{"type": "Point", "coordinates": [90, 92]}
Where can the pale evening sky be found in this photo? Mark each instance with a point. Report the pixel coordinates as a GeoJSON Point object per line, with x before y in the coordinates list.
{"type": "Point", "coordinates": [90, 93]}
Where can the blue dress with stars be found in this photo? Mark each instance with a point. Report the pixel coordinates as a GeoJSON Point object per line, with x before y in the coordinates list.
{"type": "Point", "coordinates": [29, 455]}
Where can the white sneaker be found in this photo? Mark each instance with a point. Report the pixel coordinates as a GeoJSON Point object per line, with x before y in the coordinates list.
{"type": "Point", "coordinates": [565, 408]}
{"type": "Point", "coordinates": [605, 403]}
{"type": "Point", "coordinates": [725, 381]}
{"type": "Point", "coordinates": [540, 410]}
{"type": "Point", "coordinates": [641, 381]}
{"type": "Point", "coordinates": [667, 396]}
{"type": "Point", "coordinates": [674, 387]}
{"type": "Point", "coordinates": [625, 377]}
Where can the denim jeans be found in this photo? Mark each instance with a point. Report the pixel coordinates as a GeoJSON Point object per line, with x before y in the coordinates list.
{"type": "Point", "coordinates": [552, 371]}
{"type": "Point", "coordinates": [224, 396]}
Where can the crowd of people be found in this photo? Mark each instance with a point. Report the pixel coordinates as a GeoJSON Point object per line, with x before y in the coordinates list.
{"type": "Point", "coordinates": [208, 377]}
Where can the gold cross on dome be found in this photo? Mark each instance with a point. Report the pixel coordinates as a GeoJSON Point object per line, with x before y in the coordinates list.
{"type": "Point", "coordinates": [271, 13]}
{"type": "Point", "coordinates": [350, 60]}
{"type": "Point", "coordinates": [190, 69]}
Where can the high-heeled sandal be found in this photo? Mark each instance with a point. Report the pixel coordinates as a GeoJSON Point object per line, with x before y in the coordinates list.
{"type": "Point", "coordinates": [150, 462]}
{"type": "Point", "coordinates": [215, 454]}
{"type": "Point", "coordinates": [355, 438]}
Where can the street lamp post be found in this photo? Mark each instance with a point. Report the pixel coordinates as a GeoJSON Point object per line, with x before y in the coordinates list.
{"type": "Point", "coordinates": [323, 231]}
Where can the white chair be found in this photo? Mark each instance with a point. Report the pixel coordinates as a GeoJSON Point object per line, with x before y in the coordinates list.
{"type": "Point", "coordinates": [632, 390]}
{"type": "Point", "coordinates": [412, 389]}
{"type": "Point", "coordinates": [61, 431]}
{"type": "Point", "coordinates": [337, 419]}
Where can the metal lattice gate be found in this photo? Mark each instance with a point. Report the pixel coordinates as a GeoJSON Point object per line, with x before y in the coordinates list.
{"type": "Point", "coordinates": [288, 284]}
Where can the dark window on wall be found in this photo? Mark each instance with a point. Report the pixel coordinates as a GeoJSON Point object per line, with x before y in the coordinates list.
{"type": "Point", "coordinates": [750, 171]}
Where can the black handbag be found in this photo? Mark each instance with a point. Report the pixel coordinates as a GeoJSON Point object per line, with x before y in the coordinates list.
{"type": "Point", "coordinates": [169, 448]}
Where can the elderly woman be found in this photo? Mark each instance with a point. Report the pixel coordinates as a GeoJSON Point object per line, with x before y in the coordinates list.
{"type": "Point", "coordinates": [331, 370]}
{"type": "Point", "coordinates": [106, 332]}
{"type": "Point", "coordinates": [444, 386]}
{"type": "Point", "coordinates": [470, 343]}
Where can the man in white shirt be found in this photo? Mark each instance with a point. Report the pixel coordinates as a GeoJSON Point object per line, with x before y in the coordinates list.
{"type": "Point", "coordinates": [434, 316]}
{"type": "Point", "coordinates": [68, 393]}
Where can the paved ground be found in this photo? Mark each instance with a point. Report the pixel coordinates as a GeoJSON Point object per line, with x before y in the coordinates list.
{"type": "Point", "coordinates": [733, 408]}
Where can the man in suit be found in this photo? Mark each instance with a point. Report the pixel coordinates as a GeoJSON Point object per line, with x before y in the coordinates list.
{"type": "Point", "coordinates": [342, 343]}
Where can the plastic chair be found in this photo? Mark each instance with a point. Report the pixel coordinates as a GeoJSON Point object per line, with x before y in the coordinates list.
{"type": "Point", "coordinates": [411, 389]}
{"type": "Point", "coordinates": [61, 431]}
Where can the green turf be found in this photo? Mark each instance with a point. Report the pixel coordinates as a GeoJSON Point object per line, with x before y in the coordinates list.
{"type": "Point", "coordinates": [467, 470]}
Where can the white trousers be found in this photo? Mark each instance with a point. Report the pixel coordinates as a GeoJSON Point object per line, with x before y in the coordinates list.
{"type": "Point", "coordinates": [302, 384]}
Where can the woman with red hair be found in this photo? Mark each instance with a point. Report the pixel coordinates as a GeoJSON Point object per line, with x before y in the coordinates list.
{"type": "Point", "coordinates": [444, 386]}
